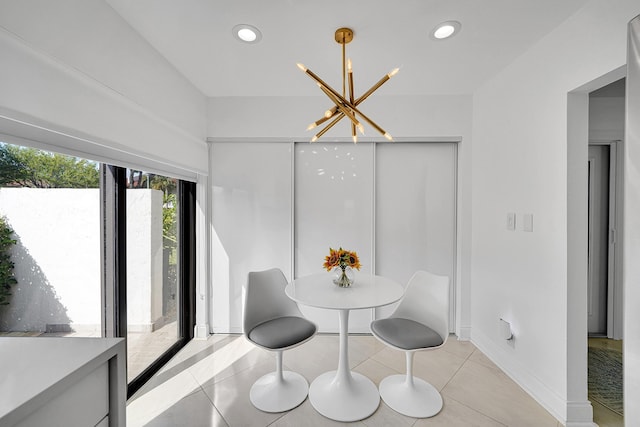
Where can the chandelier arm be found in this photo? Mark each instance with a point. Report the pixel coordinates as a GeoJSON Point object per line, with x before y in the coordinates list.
{"type": "Point", "coordinates": [341, 106]}
{"type": "Point", "coordinates": [344, 91]}
{"type": "Point", "coordinates": [372, 89]}
{"type": "Point", "coordinates": [319, 122]}
{"type": "Point", "coordinates": [339, 117]}
{"type": "Point", "coordinates": [374, 125]}
{"type": "Point", "coordinates": [354, 135]}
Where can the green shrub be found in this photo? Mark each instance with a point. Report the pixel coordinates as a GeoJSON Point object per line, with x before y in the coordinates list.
{"type": "Point", "coordinates": [6, 265]}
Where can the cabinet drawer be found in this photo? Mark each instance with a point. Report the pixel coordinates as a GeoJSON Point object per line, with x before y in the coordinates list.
{"type": "Point", "coordinates": [83, 404]}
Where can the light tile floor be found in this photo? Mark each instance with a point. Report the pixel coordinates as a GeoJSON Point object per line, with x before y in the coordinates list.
{"type": "Point", "coordinates": [208, 382]}
{"type": "Point", "coordinates": [144, 348]}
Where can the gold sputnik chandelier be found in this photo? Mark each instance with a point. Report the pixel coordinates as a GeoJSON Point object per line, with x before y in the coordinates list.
{"type": "Point", "coordinates": [343, 106]}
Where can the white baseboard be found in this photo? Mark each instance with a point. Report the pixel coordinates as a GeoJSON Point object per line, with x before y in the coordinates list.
{"type": "Point", "coordinates": [580, 414]}
{"type": "Point", "coordinates": [546, 397]}
{"type": "Point", "coordinates": [464, 334]}
{"type": "Point", "coordinates": [227, 329]}
{"type": "Point", "coordinates": [201, 332]}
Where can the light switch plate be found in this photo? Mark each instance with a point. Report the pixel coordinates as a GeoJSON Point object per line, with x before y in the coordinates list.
{"type": "Point", "coordinates": [511, 221]}
{"type": "Point", "coordinates": [527, 222]}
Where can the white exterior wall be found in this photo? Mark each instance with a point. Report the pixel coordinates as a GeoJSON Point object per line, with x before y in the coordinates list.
{"type": "Point", "coordinates": [144, 260]}
{"type": "Point", "coordinates": [534, 280]}
{"type": "Point", "coordinates": [57, 259]}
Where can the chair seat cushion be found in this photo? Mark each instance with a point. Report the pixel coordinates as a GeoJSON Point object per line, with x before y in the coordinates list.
{"type": "Point", "coordinates": [405, 333]}
{"type": "Point", "coordinates": [282, 332]}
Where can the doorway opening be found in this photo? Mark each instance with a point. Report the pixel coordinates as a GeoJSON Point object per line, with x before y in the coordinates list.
{"type": "Point", "coordinates": [604, 284]}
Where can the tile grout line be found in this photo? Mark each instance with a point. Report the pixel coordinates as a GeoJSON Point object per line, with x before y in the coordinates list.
{"type": "Point", "coordinates": [466, 359]}
{"type": "Point", "coordinates": [479, 412]}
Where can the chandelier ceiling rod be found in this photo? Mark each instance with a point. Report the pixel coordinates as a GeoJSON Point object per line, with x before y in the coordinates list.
{"type": "Point", "coordinates": [344, 107]}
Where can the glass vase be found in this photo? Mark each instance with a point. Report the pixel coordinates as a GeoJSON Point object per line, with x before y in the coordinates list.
{"type": "Point", "coordinates": [343, 277]}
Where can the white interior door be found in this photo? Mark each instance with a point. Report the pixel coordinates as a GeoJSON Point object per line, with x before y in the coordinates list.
{"type": "Point", "coordinates": [333, 208]}
{"type": "Point", "coordinates": [416, 212]}
{"type": "Point", "coordinates": [251, 215]}
{"type": "Point", "coordinates": [598, 273]}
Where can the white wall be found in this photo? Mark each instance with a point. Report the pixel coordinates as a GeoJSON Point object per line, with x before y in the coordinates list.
{"type": "Point", "coordinates": [286, 118]}
{"type": "Point", "coordinates": [77, 69]}
{"type": "Point", "coordinates": [521, 164]}
{"type": "Point", "coordinates": [606, 118]}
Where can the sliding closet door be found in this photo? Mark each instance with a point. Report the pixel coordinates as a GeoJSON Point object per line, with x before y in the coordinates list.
{"type": "Point", "coordinates": [416, 212]}
{"type": "Point", "coordinates": [251, 213]}
{"type": "Point", "coordinates": [333, 208]}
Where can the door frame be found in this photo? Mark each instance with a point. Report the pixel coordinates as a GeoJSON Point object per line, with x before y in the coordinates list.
{"type": "Point", "coordinates": [614, 276]}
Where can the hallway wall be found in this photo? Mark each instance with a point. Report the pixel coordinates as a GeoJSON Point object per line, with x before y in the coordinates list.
{"type": "Point", "coordinates": [530, 279]}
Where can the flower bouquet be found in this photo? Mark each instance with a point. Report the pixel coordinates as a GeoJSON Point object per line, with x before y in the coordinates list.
{"type": "Point", "coordinates": [342, 261]}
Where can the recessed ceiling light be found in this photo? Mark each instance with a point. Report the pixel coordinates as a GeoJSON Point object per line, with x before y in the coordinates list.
{"type": "Point", "coordinates": [247, 33]}
{"type": "Point", "coordinates": [445, 30]}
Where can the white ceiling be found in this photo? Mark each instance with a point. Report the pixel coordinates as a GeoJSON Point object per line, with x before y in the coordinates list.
{"type": "Point", "coordinates": [195, 36]}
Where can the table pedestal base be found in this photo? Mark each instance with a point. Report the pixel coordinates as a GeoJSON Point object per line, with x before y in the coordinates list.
{"type": "Point", "coordinates": [346, 398]}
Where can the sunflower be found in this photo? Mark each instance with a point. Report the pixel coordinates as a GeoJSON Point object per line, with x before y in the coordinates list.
{"type": "Point", "coordinates": [341, 258]}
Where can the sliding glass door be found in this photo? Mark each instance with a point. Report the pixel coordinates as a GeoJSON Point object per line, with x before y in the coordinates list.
{"type": "Point", "coordinates": [152, 267]}
{"type": "Point", "coordinates": [91, 249]}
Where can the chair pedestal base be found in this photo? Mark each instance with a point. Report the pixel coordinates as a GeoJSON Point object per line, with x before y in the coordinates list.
{"type": "Point", "coordinates": [269, 394]}
{"type": "Point", "coordinates": [344, 396]}
{"type": "Point", "coordinates": [421, 400]}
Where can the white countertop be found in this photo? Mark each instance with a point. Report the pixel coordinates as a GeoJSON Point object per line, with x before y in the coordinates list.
{"type": "Point", "coordinates": [33, 367]}
{"type": "Point", "coordinates": [367, 291]}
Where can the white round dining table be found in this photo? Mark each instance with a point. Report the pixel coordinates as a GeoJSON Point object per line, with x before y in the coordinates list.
{"type": "Point", "coordinates": [343, 395]}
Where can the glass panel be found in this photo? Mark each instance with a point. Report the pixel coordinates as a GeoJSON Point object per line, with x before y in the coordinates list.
{"type": "Point", "coordinates": [152, 268]}
{"type": "Point", "coordinates": [49, 244]}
